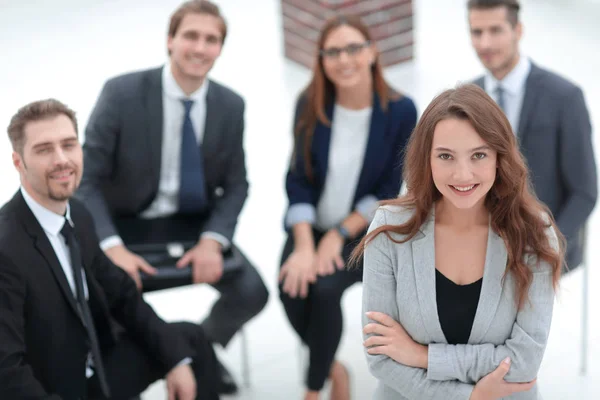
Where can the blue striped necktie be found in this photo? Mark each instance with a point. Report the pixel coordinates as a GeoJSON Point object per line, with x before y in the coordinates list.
{"type": "Point", "coordinates": [192, 191]}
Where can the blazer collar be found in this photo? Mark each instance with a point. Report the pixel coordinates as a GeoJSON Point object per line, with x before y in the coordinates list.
{"type": "Point", "coordinates": [154, 119]}
{"type": "Point", "coordinates": [530, 99]}
{"type": "Point", "coordinates": [423, 247]}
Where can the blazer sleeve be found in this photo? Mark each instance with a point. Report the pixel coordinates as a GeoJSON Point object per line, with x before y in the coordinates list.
{"type": "Point", "coordinates": [17, 380]}
{"type": "Point", "coordinates": [525, 346]}
{"type": "Point", "coordinates": [300, 191]}
{"type": "Point", "coordinates": [101, 138]}
{"type": "Point", "coordinates": [379, 294]}
{"type": "Point", "coordinates": [129, 309]}
{"type": "Point", "coordinates": [227, 208]}
{"type": "Point", "coordinates": [577, 165]}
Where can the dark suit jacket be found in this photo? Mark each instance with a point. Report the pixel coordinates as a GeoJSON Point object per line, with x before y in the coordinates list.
{"type": "Point", "coordinates": [122, 152]}
{"type": "Point", "coordinates": [43, 342]}
{"type": "Point", "coordinates": [555, 138]}
{"type": "Point", "coordinates": [381, 174]}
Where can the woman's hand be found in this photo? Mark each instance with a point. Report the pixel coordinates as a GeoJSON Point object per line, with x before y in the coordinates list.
{"type": "Point", "coordinates": [493, 386]}
{"type": "Point", "coordinates": [329, 253]}
{"type": "Point", "coordinates": [390, 339]}
{"type": "Point", "coordinates": [298, 272]}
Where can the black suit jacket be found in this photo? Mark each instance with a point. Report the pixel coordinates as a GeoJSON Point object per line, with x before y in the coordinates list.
{"type": "Point", "coordinates": [43, 343]}
{"type": "Point", "coordinates": [555, 137]}
{"type": "Point", "coordinates": [122, 152]}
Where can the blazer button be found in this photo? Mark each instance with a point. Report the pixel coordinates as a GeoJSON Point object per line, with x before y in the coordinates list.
{"type": "Point", "coordinates": [219, 191]}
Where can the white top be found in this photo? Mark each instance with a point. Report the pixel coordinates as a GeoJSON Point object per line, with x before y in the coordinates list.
{"type": "Point", "coordinates": [514, 90]}
{"type": "Point", "coordinates": [349, 137]}
{"type": "Point", "coordinates": [167, 198]}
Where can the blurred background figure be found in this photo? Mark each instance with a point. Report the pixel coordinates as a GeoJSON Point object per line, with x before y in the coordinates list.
{"type": "Point", "coordinates": [547, 113]}
{"type": "Point", "coordinates": [350, 129]}
{"type": "Point", "coordinates": [165, 163]}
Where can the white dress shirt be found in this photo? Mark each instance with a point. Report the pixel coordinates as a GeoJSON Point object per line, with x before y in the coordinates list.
{"type": "Point", "coordinates": [514, 90]}
{"type": "Point", "coordinates": [167, 198]}
{"type": "Point", "coordinates": [349, 136]}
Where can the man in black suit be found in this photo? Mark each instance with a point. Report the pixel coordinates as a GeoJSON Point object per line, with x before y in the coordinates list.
{"type": "Point", "coordinates": [164, 162]}
{"type": "Point", "coordinates": [72, 324]}
{"type": "Point", "coordinates": [548, 115]}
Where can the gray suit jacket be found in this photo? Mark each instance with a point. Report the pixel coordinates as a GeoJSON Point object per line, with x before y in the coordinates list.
{"type": "Point", "coordinates": [122, 152]}
{"type": "Point", "coordinates": [555, 137]}
{"type": "Point", "coordinates": [399, 280]}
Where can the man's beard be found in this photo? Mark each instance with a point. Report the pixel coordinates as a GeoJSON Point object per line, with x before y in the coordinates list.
{"type": "Point", "coordinates": [60, 195]}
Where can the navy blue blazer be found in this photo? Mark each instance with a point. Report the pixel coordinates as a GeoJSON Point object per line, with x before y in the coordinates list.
{"type": "Point", "coordinates": [381, 174]}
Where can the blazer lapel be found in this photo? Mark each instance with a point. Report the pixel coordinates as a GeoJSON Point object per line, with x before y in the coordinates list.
{"type": "Point", "coordinates": [320, 147]}
{"type": "Point", "coordinates": [491, 288]}
{"type": "Point", "coordinates": [424, 267]}
{"type": "Point", "coordinates": [210, 137]}
{"type": "Point", "coordinates": [43, 246]}
{"type": "Point", "coordinates": [154, 118]}
{"type": "Point", "coordinates": [530, 99]}
{"type": "Point", "coordinates": [375, 142]}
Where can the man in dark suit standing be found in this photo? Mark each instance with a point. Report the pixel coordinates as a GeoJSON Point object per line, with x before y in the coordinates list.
{"type": "Point", "coordinates": [548, 114]}
{"type": "Point", "coordinates": [164, 153]}
{"type": "Point", "coordinates": [72, 324]}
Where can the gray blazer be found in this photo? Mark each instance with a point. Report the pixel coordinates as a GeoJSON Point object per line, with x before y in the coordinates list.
{"type": "Point", "coordinates": [122, 152]}
{"type": "Point", "coordinates": [399, 280]}
{"type": "Point", "coordinates": [555, 137]}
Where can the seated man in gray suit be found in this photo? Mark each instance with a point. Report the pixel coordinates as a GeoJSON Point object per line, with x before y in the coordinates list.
{"type": "Point", "coordinates": [164, 157]}
{"type": "Point", "coordinates": [547, 113]}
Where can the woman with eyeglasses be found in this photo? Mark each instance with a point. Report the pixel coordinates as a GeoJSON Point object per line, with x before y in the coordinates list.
{"type": "Point", "coordinates": [350, 128]}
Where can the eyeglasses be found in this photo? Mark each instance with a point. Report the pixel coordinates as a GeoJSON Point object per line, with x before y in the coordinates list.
{"type": "Point", "coordinates": [352, 49]}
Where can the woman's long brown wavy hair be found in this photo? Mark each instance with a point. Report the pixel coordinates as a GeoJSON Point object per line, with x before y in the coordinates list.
{"type": "Point", "coordinates": [517, 216]}
{"type": "Point", "coordinates": [320, 92]}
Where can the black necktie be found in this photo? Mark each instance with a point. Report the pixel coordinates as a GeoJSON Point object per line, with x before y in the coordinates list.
{"type": "Point", "coordinates": [192, 193]}
{"type": "Point", "coordinates": [76, 264]}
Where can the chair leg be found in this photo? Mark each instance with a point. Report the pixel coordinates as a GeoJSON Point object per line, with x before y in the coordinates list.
{"type": "Point", "coordinates": [584, 308]}
{"type": "Point", "coordinates": [245, 359]}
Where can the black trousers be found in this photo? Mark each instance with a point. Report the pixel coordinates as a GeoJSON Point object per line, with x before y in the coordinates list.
{"type": "Point", "coordinates": [243, 292]}
{"type": "Point", "coordinates": [130, 369]}
{"type": "Point", "coordinates": [317, 319]}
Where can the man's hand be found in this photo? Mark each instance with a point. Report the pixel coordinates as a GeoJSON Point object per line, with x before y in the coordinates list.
{"type": "Point", "coordinates": [181, 384]}
{"type": "Point", "coordinates": [493, 386]}
{"type": "Point", "coordinates": [130, 263]}
{"type": "Point", "coordinates": [206, 259]}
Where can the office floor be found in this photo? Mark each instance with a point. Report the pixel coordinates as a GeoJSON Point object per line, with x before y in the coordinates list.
{"type": "Point", "coordinates": [67, 48]}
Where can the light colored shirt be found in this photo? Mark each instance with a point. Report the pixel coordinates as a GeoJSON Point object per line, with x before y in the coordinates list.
{"type": "Point", "coordinates": [167, 198]}
{"type": "Point", "coordinates": [349, 137]}
{"type": "Point", "coordinates": [513, 85]}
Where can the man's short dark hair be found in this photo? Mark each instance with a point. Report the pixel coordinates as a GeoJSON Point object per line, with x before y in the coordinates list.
{"type": "Point", "coordinates": [196, 7]}
{"type": "Point", "coordinates": [32, 112]}
{"type": "Point", "coordinates": [512, 7]}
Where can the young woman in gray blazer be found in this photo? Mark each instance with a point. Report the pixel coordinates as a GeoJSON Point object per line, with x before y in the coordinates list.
{"type": "Point", "coordinates": [460, 273]}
